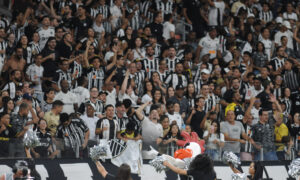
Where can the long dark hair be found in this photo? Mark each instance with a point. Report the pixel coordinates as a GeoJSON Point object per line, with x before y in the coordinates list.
{"type": "Point", "coordinates": [5, 101]}
{"type": "Point", "coordinates": [169, 135]}
{"type": "Point", "coordinates": [124, 172]}
{"type": "Point", "coordinates": [218, 132]}
{"type": "Point", "coordinates": [203, 163]}
{"type": "Point", "coordinates": [259, 169]}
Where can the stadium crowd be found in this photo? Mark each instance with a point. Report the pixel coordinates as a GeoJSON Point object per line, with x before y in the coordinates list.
{"type": "Point", "coordinates": [226, 72]}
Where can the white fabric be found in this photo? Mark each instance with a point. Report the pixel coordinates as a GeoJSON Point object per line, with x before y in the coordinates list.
{"type": "Point", "coordinates": [69, 99]}
{"type": "Point", "coordinates": [209, 46]}
{"type": "Point", "coordinates": [167, 28]}
{"type": "Point", "coordinates": [82, 94]}
{"type": "Point", "coordinates": [91, 124]}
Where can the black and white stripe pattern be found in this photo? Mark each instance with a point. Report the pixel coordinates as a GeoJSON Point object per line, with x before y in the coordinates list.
{"type": "Point", "coordinates": [35, 48]}
{"type": "Point", "coordinates": [163, 76]}
{"type": "Point", "coordinates": [3, 46]}
{"type": "Point", "coordinates": [171, 63]}
{"type": "Point", "coordinates": [112, 128]}
{"type": "Point", "coordinates": [27, 55]}
{"type": "Point", "coordinates": [17, 31]}
{"type": "Point", "coordinates": [288, 105]}
{"type": "Point", "coordinates": [144, 8]}
{"type": "Point", "coordinates": [99, 106]}
{"type": "Point", "coordinates": [122, 122]}
{"type": "Point", "coordinates": [291, 80]}
{"type": "Point", "coordinates": [176, 79]}
{"type": "Point", "coordinates": [11, 87]}
{"type": "Point", "coordinates": [277, 63]}
{"type": "Point", "coordinates": [138, 78]}
{"type": "Point", "coordinates": [210, 102]}
{"type": "Point", "coordinates": [266, 16]}
{"type": "Point", "coordinates": [150, 66]}
{"type": "Point", "coordinates": [76, 71]}
{"type": "Point", "coordinates": [277, 93]}
{"type": "Point", "coordinates": [84, 40]}
{"type": "Point", "coordinates": [96, 78]}
{"type": "Point", "coordinates": [134, 22]}
{"type": "Point", "coordinates": [75, 130]}
{"type": "Point", "coordinates": [104, 10]}
{"type": "Point", "coordinates": [117, 146]}
{"type": "Point", "coordinates": [4, 23]}
{"type": "Point", "coordinates": [247, 147]}
{"type": "Point", "coordinates": [165, 8]}
{"type": "Point", "coordinates": [198, 85]}
{"type": "Point", "coordinates": [61, 75]}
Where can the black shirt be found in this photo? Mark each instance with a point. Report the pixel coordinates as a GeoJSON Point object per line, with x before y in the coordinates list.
{"type": "Point", "coordinates": [46, 141]}
{"type": "Point", "coordinates": [4, 140]}
{"type": "Point", "coordinates": [64, 50]}
{"type": "Point", "coordinates": [110, 177]}
{"type": "Point", "coordinates": [81, 26]}
{"type": "Point", "coordinates": [265, 101]}
{"type": "Point", "coordinates": [193, 9]}
{"type": "Point", "coordinates": [157, 31]}
{"type": "Point", "coordinates": [196, 121]}
{"type": "Point", "coordinates": [197, 175]}
{"type": "Point", "coordinates": [50, 65]}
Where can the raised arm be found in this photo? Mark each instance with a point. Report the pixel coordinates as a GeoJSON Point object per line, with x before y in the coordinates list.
{"type": "Point", "coordinates": [139, 113]}
{"type": "Point", "coordinates": [125, 82]}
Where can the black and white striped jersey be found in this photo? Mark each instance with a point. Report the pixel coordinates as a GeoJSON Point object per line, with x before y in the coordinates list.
{"type": "Point", "coordinates": [99, 107]}
{"type": "Point", "coordinates": [198, 85]}
{"type": "Point", "coordinates": [134, 22]}
{"type": "Point", "coordinates": [210, 102]}
{"type": "Point", "coordinates": [288, 105]}
{"type": "Point", "coordinates": [157, 49]}
{"type": "Point", "coordinates": [163, 76]}
{"type": "Point", "coordinates": [150, 65]}
{"type": "Point", "coordinates": [165, 8]}
{"type": "Point", "coordinates": [277, 93]}
{"type": "Point", "coordinates": [112, 128]}
{"type": "Point", "coordinates": [291, 79]}
{"type": "Point", "coordinates": [84, 40]}
{"type": "Point", "coordinates": [175, 79]}
{"type": "Point", "coordinates": [145, 11]}
{"type": "Point", "coordinates": [76, 71]}
{"type": "Point", "coordinates": [122, 122]}
{"type": "Point", "coordinates": [18, 31]}
{"type": "Point", "coordinates": [11, 87]}
{"type": "Point", "coordinates": [277, 63]}
{"type": "Point", "coordinates": [266, 16]}
{"type": "Point", "coordinates": [27, 55]}
{"type": "Point", "coordinates": [139, 78]}
{"type": "Point", "coordinates": [171, 63]}
{"type": "Point", "coordinates": [35, 48]}
{"type": "Point", "coordinates": [61, 75]}
{"type": "Point", "coordinates": [96, 77]}
{"type": "Point", "coordinates": [3, 46]}
{"type": "Point", "coordinates": [4, 23]}
{"type": "Point", "coordinates": [73, 134]}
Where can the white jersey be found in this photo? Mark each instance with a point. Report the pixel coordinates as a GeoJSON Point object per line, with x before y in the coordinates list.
{"type": "Point", "coordinates": [35, 74]}
{"type": "Point", "coordinates": [44, 35]}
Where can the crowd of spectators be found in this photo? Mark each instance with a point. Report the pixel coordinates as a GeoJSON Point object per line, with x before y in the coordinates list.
{"type": "Point", "coordinates": [78, 71]}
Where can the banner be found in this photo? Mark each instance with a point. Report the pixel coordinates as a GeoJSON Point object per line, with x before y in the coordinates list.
{"type": "Point", "coordinates": [79, 169]}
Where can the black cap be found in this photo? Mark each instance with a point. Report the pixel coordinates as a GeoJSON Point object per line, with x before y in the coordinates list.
{"type": "Point", "coordinates": [179, 86]}
{"type": "Point", "coordinates": [103, 92]}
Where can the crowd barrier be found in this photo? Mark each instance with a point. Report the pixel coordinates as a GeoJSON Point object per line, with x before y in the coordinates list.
{"type": "Point", "coordinates": [78, 169]}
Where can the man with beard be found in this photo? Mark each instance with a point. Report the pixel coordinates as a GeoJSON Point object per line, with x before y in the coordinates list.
{"type": "Point", "coordinates": [172, 60]}
{"type": "Point", "coordinates": [236, 107]}
{"type": "Point", "coordinates": [177, 78]}
{"type": "Point", "coordinates": [14, 84]}
{"type": "Point", "coordinates": [235, 87]}
{"type": "Point", "coordinates": [16, 62]}
{"type": "Point", "coordinates": [150, 62]}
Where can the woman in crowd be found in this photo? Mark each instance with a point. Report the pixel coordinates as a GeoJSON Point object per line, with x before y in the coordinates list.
{"type": "Point", "coordinates": [171, 139]}
{"type": "Point", "coordinates": [48, 100]}
{"type": "Point", "coordinates": [214, 140]}
{"type": "Point", "coordinates": [8, 105]}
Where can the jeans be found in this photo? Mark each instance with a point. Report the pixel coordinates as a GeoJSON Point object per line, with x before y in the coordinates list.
{"type": "Point", "coordinates": [268, 156]}
{"type": "Point", "coordinates": [213, 153]}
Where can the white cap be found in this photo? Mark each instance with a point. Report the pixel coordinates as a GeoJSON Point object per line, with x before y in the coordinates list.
{"type": "Point", "coordinates": [206, 71]}
{"type": "Point", "coordinates": [250, 15]}
{"type": "Point", "coordinates": [287, 24]}
{"type": "Point", "coordinates": [279, 20]}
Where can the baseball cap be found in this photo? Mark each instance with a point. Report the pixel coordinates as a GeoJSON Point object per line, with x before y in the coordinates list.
{"type": "Point", "coordinates": [250, 15]}
{"type": "Point", "coordinates": [206, 71]}
{"type": "Point", "coordinates": [179, 86]}
{"type": "Point", "coordinates": [103, 92]}
{"type": "Point", "coordinates": [279, 20]}
{"type": "Point", "coordinates": [27, 96]}
{"type": "Point", "coordinates": [90, 104]}
{"type": "Point", "coordinates": [287, 24]}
